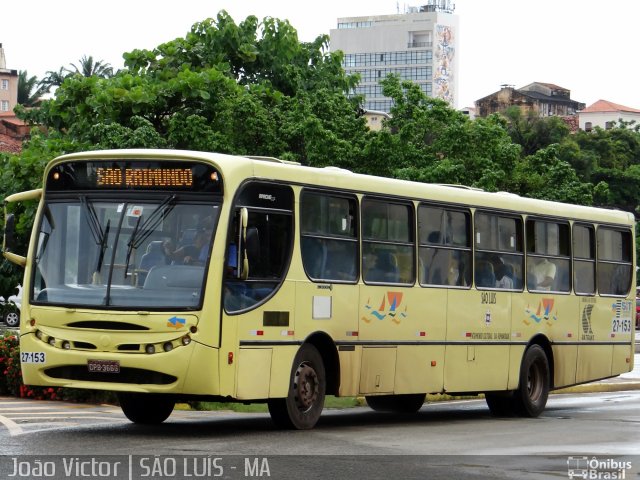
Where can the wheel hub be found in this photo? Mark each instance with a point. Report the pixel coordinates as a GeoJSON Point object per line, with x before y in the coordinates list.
{"type": "Point", "coordinates": [306, 387]}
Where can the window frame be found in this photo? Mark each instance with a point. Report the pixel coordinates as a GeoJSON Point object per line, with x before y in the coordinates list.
{"type": "Point", "coordinates": [534, 255]}
{"type": "Point", "coordinates": [368, 241]}
{"type": "Point", "coordinates": [468, 249]}
{"type": "Point", "coordinates": [328, 236]}
{"type": "Point", "coordinates": [593, 260]}
{"type": "Point", "coordinates": [519, 251]}
{"type": "Point", "coordinates": [614, 262]}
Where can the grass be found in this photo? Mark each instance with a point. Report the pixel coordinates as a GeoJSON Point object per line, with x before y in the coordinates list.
{"type": "Point", "coordinates": [330, 402]}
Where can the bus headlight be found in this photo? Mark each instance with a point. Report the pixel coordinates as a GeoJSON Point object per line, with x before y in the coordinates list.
{"type": "Point", "coordinates": [66, 345]}
{"type": "Point", "coordinates": [52, 341]}
{"type": "Point", "coordinates": [150, 349]}
{"type": "Point", "coordinates": [186, 340]}
{"type": "Point", "coordinates": [168, 346]}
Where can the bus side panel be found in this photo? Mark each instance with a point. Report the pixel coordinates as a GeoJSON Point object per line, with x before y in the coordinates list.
{"type": "Point", "coordinates": [414, 319]}
{"type": "Point", "coordinates": [565, 358]}
{"type": "Point", "coordinates": [565, 328]}
{"type": "Point", "coordinates": [378, 370]}
{"type": "Point", "coordinates": [350, 358]}
{"type": "Point", "coordinates": [254, 373]}
{"type": "Point", "coordinates": [419, 369]}
{"type": "Point", "coordinates": [594, 361]}
{"type": "Point", "coordinates": [478, 322]}
{"type": "Point", "coordinates": [622, 359]}
{"type": "Point", "coordinates": [281, 365]}
{"type": "Point", "coordinates": [202, 377]}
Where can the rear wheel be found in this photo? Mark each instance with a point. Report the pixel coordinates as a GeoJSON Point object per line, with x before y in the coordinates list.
{"type": "Point", "coordinates": [531, 396]}
{"type": "Point", "coordinates": [303, 405]}
{"type": "Point", "coordinates": [409, 403]}
{"type": "Point", "coordinates": [146, 408]}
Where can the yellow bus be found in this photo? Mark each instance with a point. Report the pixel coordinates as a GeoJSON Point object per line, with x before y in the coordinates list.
{"type": "Point", "coordinates": [169, 275]}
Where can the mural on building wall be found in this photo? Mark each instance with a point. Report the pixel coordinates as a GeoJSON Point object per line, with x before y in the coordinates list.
{"type": "Point", "coordinates": [443, 80]}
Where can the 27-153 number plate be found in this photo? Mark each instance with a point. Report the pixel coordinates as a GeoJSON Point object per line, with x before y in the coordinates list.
{"type": "Point", "coordinates": [103, 366]}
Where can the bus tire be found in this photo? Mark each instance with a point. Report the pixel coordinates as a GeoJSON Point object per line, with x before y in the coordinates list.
{"type": "Point", "coordinates": [146, 408]}
{"type": "Point", "coordinates": [408, 403]}
{"type": "Point", "coordinates": [500, 404]}
{"type": "Point", "coordinates": [531, 396]}
{"type": "Point", "coordinates": [303, 405]}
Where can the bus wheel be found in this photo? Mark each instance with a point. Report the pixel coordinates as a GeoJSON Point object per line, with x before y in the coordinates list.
{"type": "Point", "coordinates": [500, 404]}
{"type": "Point", "coordinates": [531, 396]}
{"type": "Point", "coordinates": [146, 408]}
{"type": "Point", "coordinates": [303, 405]}
{"type": "Point", "coordinates": [409, 403]}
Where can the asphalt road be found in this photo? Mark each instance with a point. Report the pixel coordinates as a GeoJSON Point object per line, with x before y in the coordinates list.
{"type": "Point", "coordinates": [444, 440]}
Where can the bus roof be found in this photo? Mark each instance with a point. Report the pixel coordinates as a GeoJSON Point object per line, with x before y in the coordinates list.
{"type": "Point", "coordinates": [235, 169]}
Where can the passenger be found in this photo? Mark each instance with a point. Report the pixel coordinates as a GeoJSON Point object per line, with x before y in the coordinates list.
{"type": "Point", "coordinates": [544, 273]}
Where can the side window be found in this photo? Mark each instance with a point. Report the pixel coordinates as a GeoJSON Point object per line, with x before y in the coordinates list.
{"type": "Point", "coordinates": [548, 250]}
{"type": "Point", "coordinates": [584, 259]}
{"type": "Point", "coordinates": [388, 250]}
{"type": "Point", "coordinates": [614, 261]}
{"type": "Point", "coordinates": [328, 232]}
{"type": "Point", "coordinates": [499, 257]}
{"type": "Point", "coordinates": [444, 246]}
{"type": "Point", "coordinates": [259, 245]}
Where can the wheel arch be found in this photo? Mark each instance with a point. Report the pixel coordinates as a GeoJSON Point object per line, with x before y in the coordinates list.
{"type": "Point", "coordinates": [329, 353]}
{"type": "Point", "coordinates": [543, 342]}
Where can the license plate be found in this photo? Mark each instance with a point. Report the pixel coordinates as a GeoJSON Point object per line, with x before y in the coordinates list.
{"type": "Point", "coordinates": [103, 366]}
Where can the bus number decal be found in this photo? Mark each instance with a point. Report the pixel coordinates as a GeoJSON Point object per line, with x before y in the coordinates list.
{"type": "Point", "coordinates": [488, 298]}
{"type": "Point", "coordinates": [32, 357]}
{"type": "Point", "coordinates": [621, 322]}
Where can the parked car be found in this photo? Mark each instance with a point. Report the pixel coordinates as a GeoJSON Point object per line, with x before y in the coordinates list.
{"type": "Point", "coordinates": [11, 308]}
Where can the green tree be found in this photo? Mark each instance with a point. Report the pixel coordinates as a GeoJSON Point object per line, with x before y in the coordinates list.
{"type": "Point", "coordinates": [430, 142]}
{"type": "Point", "coordinates": [533, 132]}
{"type": "Point", "coordinates": [91, 68]}
{"type": "Point", "coordinates": [29, 92]}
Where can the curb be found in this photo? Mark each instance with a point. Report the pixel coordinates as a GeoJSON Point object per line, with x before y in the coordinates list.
{"type": "Point", "coordinates": [599, 387]}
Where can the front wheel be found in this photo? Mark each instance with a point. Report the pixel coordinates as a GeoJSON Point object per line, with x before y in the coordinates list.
{"type": "Point", "coordinates": [531, 396]}
{"type": "Point", "coordinates": [303, 405]}
{"type": "Point", "coordinates": [146, 408]}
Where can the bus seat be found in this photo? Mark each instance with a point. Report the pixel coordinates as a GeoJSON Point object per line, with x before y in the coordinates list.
{"type": "Point", "coordinates": [154, 256]}
{"type": "Point", "coordinates": [175, 276]}
{"type": "Point", "coordinates": [484, 275]}
{"type": "Point", "coordinates": [385, 268]}
{"type": "Point", "coordinates": [314, 256]}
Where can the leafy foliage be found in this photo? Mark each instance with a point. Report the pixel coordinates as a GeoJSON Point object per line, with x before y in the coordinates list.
{"type": "Point", "coordinates": [253, 88]}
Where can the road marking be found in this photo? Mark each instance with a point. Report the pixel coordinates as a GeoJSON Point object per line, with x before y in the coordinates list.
{"type": "Point", "coordinates": [13, 427]}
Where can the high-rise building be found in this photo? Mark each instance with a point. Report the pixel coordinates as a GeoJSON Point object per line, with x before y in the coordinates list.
{"type": "Point", "coordinates": [418, 45]}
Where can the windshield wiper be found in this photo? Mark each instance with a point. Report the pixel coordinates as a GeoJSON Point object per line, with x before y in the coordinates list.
{"type": "Point", "coordinates": [92, 220]}
{"type": "Point", "coordinates": [142, 231]}
{"type": "Point", "coordinates": [130, 246]}
{"type": "Point", "coordinates": [103, 248]}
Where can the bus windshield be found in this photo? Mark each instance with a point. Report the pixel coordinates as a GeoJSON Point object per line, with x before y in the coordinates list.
{"type": "Point", "coordinates": [144, 253]}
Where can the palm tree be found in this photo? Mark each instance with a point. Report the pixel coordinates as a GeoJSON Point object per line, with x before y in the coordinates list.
{"type": "Point", "coordinates": [90, 68]}
{"type": "Point", "coordinates": [87, 68]}
{"type": "Point", "coordinates": [53, 79]}
{"type": "Point", "coordinates": [26, 86]}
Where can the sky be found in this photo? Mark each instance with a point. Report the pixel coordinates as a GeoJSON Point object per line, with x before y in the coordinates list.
{"type": "Point", "coordinates": [586, 46]}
